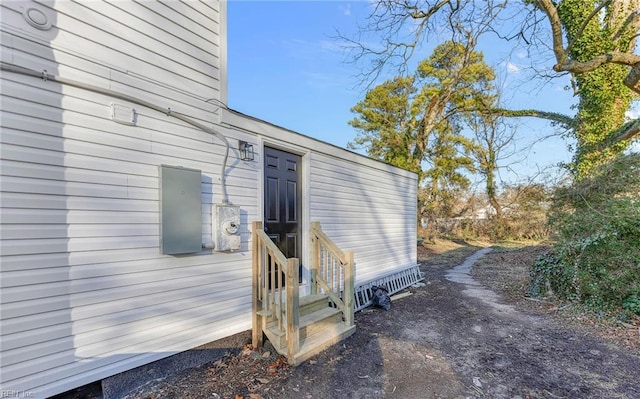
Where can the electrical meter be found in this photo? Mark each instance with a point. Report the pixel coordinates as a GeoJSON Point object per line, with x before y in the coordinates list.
{"type": "Point", "coordinates": [226, 231]}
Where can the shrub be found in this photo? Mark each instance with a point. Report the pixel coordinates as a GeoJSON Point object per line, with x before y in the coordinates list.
{"type": "Point", "coordinates": [632, 304]}
{"type": "Point", "coordinates": [596, 258]}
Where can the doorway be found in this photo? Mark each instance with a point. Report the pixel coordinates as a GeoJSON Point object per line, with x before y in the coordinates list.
{"type": "Point", "coordinates": [282, 201]}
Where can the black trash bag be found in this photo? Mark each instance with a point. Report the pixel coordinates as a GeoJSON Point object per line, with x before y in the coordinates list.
{"type": "Point", "coordinates": [381, 297]}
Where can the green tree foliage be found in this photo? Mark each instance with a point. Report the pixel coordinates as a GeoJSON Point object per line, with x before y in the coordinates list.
{"type": "Point", "coordinates": [414, 122]}
{"type": "Point", "coordinates": [596, 259]}
{"type": "Point", "coordinates": [593, 29]}
{"type": "Point", "coordinates": [387, 124]}
{"type": "Point", "coordinates": [593, 40]}
{"type": "Point", "coordinates": [445, 182]}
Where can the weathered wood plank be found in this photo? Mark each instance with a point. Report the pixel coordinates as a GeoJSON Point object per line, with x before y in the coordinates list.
{"type": "Point", "coordinates": [271, 247]}
{"type": "Point", "coordinates": [256, 302]}
{"type": "Point", "coordinates": [326, 241]}
{"type": "Point", "coordinates": [349, 281]}
{"type": "Point", "coordinates": [293, 296]}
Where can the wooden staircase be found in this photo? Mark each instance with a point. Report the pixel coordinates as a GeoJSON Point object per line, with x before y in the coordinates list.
{"type": "Point", "coordinates": [300, 327]}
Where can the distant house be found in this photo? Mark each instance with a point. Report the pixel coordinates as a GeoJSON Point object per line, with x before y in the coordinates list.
{"type": "Point", "coordinates": [129, 192]}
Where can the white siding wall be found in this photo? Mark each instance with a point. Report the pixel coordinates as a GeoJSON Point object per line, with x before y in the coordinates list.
{"type": "Point", "coordinates": [363, 205]}
{"type": "Point", "coordinates": [368, 210]}
{"type": "Point", "coordinates": [85, 291]}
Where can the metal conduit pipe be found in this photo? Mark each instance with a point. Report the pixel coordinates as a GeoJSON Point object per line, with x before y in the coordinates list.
{"type": "Point", "coordinates": [108, 92]}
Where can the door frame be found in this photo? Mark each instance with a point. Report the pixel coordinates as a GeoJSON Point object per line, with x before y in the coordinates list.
{"type": "Point", "coordinates": [305, 200]}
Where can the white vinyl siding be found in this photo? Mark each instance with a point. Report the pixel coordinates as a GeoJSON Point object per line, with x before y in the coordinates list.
{"type": "Point", "coordinates": [161, 51]}
{"type": "Point", "coordinates": [368, 210]}
{"type": "Point", "coordinates": [363, 205]}
{"type": "Point", "coordinates": [85, 291]}
{"type": "Point", "coordinates": [84, 286]}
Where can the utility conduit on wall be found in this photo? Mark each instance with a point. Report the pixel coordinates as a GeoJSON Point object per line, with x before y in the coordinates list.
{"type": "Point", "coordinates": [112, 93]}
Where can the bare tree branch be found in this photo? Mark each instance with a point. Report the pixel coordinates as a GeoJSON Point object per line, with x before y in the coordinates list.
{"type": "Point", "coordinates": [549, 8]}
{"type": "Point", "coordinates": [628, 131]}
{"type": "Point", "coordinates": [565, 64]}
{"type": "Point", "coordinates": [615, 57]}
{"type": "Point", "coordinates": [398, 27]}
{"type": "Point", "coordinates": [566, 121]}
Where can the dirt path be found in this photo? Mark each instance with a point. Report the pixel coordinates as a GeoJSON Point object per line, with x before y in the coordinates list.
{"type": "Point", "coordinates": [452, 338]}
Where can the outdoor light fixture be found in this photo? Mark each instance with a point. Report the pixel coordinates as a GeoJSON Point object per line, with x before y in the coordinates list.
{"type": "Point", "coordinates": [246, 151]}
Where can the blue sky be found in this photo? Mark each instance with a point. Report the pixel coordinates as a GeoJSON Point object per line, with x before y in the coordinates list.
{"type": "Point", "coordinates": [284, 67]}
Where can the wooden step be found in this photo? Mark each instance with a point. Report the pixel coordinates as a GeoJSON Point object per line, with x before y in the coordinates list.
{"type": "Point", "coordinates": [321, 340]}
{"type": "Point", "coordinates": [311, 303]}
{"type": "Point", "coordinates": [318, 320]}
{"type": "Point", "coordinates": [308, 324]}
{"type": "Point", "coordinates": [277, 337]}
{"type": "Point", "coordinates": [320, 326]}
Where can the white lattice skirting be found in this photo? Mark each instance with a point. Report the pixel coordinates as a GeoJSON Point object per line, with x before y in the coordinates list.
{"type": "Point", "coordinates": [393, 283]}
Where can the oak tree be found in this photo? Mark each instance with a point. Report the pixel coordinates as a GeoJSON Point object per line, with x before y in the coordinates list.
{"type": "Point", "coordinates": [594, 41]}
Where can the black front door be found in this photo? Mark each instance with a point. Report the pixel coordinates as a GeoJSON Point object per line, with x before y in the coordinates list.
{"type": "Point", "coordinates": [282, 207]}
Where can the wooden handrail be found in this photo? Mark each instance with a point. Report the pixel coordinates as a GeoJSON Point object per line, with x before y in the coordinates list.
{"type": "Point", "coordinates": [271, 247]}
{"type": "Point", "coordinates": [332, 272]}
{"type": "Point", "coordinates": [271, 299]}
{"type": "Point", "coordinates": [325, 240]}
{"type": "Point", "coordinates": [275, 297]}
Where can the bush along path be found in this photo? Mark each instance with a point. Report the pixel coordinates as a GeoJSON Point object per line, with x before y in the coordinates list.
{"type": "Point", "coordinates": [451, 338]}
{"type": "Point", "coordinates": [507, 353]}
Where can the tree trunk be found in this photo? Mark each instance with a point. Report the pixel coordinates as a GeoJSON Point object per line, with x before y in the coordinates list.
{"type": "Point", "coordinates": [492, 194]}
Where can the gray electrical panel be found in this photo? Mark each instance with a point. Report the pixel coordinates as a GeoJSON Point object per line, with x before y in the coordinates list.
{"type": "Point", "coordinates": [180, 210]}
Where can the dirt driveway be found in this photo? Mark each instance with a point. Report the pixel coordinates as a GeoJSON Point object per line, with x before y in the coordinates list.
{"type": "Point", "coordinates": [452, 338]}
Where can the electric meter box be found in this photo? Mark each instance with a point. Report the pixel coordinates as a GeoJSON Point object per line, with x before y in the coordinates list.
{"type": "Point", "coordinates": [180, 210]}
{"type": "Point", "coordinates": [226, 231]}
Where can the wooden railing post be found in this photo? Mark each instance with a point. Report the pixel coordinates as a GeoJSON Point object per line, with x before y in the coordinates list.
{"type": "Point", "coordinates": [275, 294]}
{"type": "Point", "coordinates": [293, 301]}
{"type": "Point", "coordinates": [349, 289]}
{"type": "Point", "coordinates": [256, 303]}
{"type": "Point", "coordinates": [315, 258]}
{"type": "Point", "coordinates": [333, 267]}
